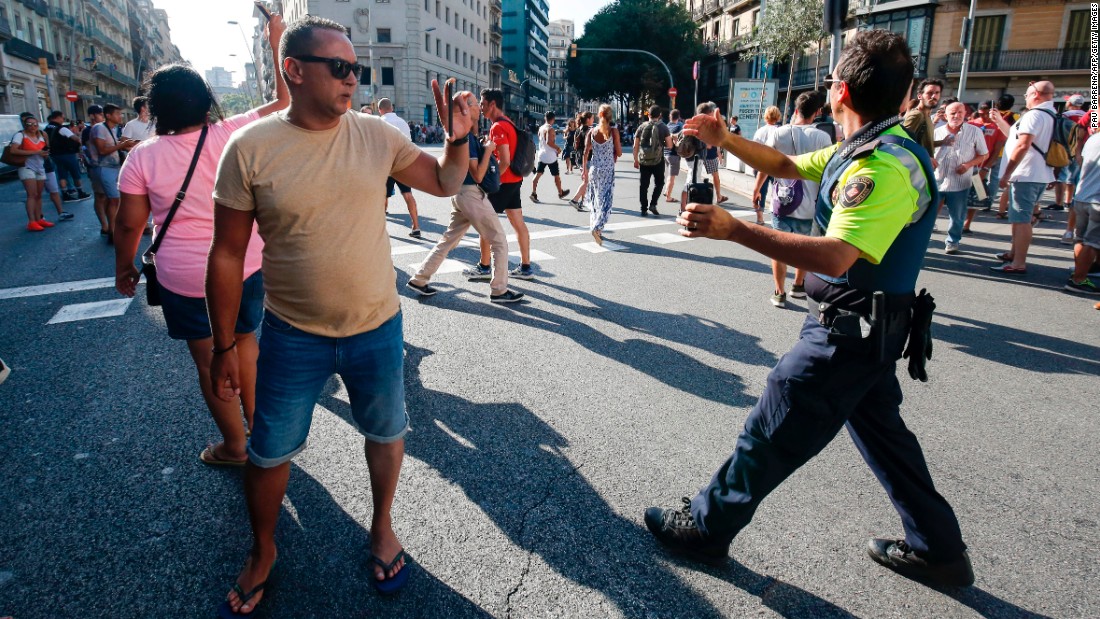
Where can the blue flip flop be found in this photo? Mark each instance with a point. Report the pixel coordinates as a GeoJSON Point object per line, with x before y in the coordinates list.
{"type": "Point", "coordinates": [393, 584]}
{"type": "Point", "coordinates": [225, 611]}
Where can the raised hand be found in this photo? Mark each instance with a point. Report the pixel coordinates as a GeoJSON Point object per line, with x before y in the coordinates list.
{"type": "Point", "coordinates": [463, 122]}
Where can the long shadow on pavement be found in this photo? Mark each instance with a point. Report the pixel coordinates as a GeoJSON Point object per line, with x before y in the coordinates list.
{"type": "Point", "coordinates": [1021, 349]}
{"type": "Point", "coordinates": [513, 466]}
{"type": "Point", "coordinates": [322, 568]}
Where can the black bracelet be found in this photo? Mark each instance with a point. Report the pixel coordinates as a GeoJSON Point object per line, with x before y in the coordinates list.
{"type": "Point", "coordinates": [218, 351]}
{"type": "Point", "coordinates": [460, 141]}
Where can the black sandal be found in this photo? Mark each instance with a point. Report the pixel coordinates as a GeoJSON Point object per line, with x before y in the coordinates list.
{"type": "Point", "coordinates": [225, 611]}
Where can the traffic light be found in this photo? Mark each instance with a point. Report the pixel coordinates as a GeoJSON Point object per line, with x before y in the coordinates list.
{"type": "Point", "coordinates": [572, 50]}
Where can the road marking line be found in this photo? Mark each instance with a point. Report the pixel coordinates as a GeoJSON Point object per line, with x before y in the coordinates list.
{"type": "Point", "coordinates": [447, 266]}
{"type": "Point", "coordinates": [407, 249]}
{"type": "Point", "coordinates": [598, 249]}
{"type": "Point", "coordinates": [35, 291]}
{"type": "Point", "coordinates": [665, 238]}
{"type": "Point", "coordinates": [536, 255]}
{"type": "Point", "coordinates": [89, 311]}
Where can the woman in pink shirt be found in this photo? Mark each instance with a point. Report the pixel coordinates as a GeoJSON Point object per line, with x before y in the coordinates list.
{"type": "Point", "coordinates": [182, 106]}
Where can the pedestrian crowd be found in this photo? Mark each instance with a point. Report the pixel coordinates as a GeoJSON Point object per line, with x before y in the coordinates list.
{"type": "Point", "coordinates": [249, 232]}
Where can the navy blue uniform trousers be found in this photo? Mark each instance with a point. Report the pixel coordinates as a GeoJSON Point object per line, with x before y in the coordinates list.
{"type": "Point", "coordinates": [812, 392]}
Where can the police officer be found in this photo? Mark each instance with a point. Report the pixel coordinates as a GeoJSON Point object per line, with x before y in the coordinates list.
{"type": "Point", "coordinates": [872, 224]}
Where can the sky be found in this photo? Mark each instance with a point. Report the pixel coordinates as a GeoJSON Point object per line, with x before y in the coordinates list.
{"type": "Point", "coordinates": [200, 30]}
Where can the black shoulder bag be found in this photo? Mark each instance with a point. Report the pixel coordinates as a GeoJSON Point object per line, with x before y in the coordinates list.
{"type": "Point", "coordinates": [149, 258]}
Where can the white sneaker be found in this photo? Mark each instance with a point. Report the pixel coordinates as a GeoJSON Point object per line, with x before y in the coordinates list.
{"type": "Point", "coordinates": [1067, 238]}
{"type": "Point", "coordinates": [951, 248]}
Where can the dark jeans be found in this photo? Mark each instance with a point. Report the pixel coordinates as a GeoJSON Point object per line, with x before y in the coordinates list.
{"type": "Point", "coordinates": [816, 389]}
{"type": "Point", "coordinates": [656, 173]}
{"type": "Point", "coordinates": [68, 168]}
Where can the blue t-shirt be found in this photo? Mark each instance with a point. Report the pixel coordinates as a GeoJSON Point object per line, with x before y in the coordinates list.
{"type": "Point", "coordinates": [475, 155]}
{"type": "Point", "coordinates": [1088, 189]}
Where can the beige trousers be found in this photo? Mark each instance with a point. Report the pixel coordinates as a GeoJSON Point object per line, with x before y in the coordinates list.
{"type": "Point", "coordinates": [470, 208]}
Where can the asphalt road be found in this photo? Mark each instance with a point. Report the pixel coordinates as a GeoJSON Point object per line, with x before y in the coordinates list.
{"type": "Point", "coordinates": [541, 432]}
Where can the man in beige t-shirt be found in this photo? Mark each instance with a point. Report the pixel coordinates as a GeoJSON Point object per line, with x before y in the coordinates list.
{"type": "Point", "coordinates": [314, 179]}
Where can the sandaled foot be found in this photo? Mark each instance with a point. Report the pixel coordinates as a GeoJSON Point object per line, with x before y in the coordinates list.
{"type": "Point", "coordinates": [214, 455]}
{"type": "Point", "coordinates": [388, 561]}
{"type": "Point", "coordinates": [247, 591]}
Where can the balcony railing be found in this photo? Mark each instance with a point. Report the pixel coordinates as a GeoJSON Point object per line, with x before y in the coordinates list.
{"type": "Point", "coordinates": [714, 46]}
{"type": "Point", "coordinates": [495, 29]}
{"type": "Point", "coordinates": [39, 6]}
{"type": "Point", "coordinates": [1020, 61]}
{"type": "Point", "coordinates": [79, 73]}
{"type": "Point", "coordinates": [711, 6]}
{"type": "Point", "coordinates": [697, 12]}
{"type": "Point", "coordinates": [116, 75]}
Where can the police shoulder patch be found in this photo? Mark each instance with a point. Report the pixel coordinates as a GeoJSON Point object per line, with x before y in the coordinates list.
{"type": "Point", "coordinates": [855, 191]}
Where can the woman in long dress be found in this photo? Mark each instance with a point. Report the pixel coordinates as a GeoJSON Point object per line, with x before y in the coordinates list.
{"type": "Point", "coordinates": [602, 149]}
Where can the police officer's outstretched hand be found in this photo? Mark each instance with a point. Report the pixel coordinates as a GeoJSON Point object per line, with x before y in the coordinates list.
{"type": "Point", "coordinates": [710, 221]}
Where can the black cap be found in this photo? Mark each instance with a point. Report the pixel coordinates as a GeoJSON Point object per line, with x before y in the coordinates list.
{"type": "Point", "coordinates": [95, 109]}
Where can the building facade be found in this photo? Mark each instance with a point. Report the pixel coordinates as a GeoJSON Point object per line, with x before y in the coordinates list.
{"type": "Point", "coordinates": [1013, 43]}
{"type": "Point", "coordinates": [95, 48]}
{"type": "Point", "coordinates": [406, 44]}
{"type": "Point", "coordinates": [524, 46]}
{"type": "Point", "coordinates": [562, 98]}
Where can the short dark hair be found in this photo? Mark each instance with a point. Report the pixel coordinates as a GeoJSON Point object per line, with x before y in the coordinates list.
{"type": "Point", "coordinates": [808, 103]}
{"type": "Point", "coordinates": [674, 115]}
{"type": "Point", "coordinates": [654, 111]}
{"type": "Point", "coordinates": [493, 95]}
{"type": "Point", "coordinates": [179, 98]}
{"type": "Point", "coordinates": [139, 103]}
{"type": "Point", "coordinates": [877, 66]}
{"type": "Point", "coordinates": [931, 81]}
{"type": "Point", "coordinates": [110, 108]}
{"type": "Point", "coordinates": [1005, 102]}
{"type": "Point", "coordinates": [94, 109]}
{"type": "Point", "coordinates": [549, 116]}
{"type": "Point", "coordinates": [298, 38]}
{"type": "Point", "coordinates": [55, 114]}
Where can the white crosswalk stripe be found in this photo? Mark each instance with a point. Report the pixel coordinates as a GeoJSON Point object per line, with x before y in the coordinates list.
{"type": "Point", "coordinates": [89, 311]}
{"type": "Point", "coordinates": [593, 248]}
{"type": "Point", "coordinates": [665, 238]}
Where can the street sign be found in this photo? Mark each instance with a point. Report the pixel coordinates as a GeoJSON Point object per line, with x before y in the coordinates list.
{"type": "Point", "coordinates": [672, 92]}
{"type": "Point", "coordinates": [72, 96]}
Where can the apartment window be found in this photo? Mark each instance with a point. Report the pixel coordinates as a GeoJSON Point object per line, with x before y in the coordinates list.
{"type": "Point", "coordinates": [428, 80]}
{"type": "Point", "coordinates": [384, 35]}
{"type": "Point", "coordinates": [438, 47]}
{"type": "Point", "coordinates": [426, 8]}
{"type": "Point", "coordinates": [985, 48]}
{"type": "Point", "coordinates": [465, 60]}
{"type": "Point", "coordinates": [736, 27]}
{"type": "Point", "coordinates": [428, 43]}
{"type": "Point", "coordinates": [364, 79]}
{"type": "Point", "coordinates": [1077, 41]}
{"type": "Point", "coordinates": [754, 19]}
{"type": "Point", "coordinates": [387, 76]}
{"type": "Point", "coordinates": [437, 9]}
{"type": "Point", "coordinates": [447, 13]}
{"type": "Point", "coordinates": [448, 51]}
{"type": "Point", "coordinates": [463, 25]}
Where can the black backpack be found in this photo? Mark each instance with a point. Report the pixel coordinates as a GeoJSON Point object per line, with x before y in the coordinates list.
{"type": "Point", "coordinates": [59, 144]}
{"type": "Point", "coordinates": [490, 183]}
{"type": "Point", "coordinates": [523, 160]}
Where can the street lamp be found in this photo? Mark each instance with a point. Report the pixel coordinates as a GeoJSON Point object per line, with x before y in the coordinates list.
{"type": "Point", "coordinates": [250, 56]}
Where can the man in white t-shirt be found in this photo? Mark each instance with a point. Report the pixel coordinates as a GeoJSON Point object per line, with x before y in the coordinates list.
{"type": "Point", "coordinates": [385, 108]}
{"type": "Point", "coordinates": [140, 128]}
{"type": "Point", "coordinates": [1025, 173]}
{"type": "Point", "coordinates": [798, 138]}
{"type": "Point", "coordinates": [548, 154]}
{"type": "Point", "coordinates": [957, 159]}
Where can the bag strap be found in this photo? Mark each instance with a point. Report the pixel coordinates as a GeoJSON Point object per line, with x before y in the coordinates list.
{"type": "Point", "coordinates": [152, 251]}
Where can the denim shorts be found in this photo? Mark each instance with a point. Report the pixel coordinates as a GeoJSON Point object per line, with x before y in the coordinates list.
{"type": "Point", "coordinates": [292, 371]}
{"type": "Point", "coordinates": [187, 319]}
{"type": "Point", "coordinates": [93, 177]}
{"type": "Point", "coordinates": [1069, 174]}
{"type": "Point", "coordinates": [1087, 227]}
{"type": "Point", "coordinates": [1022, 200]}
{"type": "Point", "coordinates": [108, 179]}
{"type": "Point", "coordinates": [790, 224]}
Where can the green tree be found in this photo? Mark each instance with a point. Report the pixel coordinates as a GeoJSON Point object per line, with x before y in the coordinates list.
{"type": "Point", "coordinates": [787, 28]}
{"type": "Point", "coordinates": [235, 103]}
{"type": "Point", "coordinates": [656, 26]}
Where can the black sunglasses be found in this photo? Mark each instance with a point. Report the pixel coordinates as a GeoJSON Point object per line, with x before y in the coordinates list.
{"type": "Point", "coordinates": [338, 67]}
